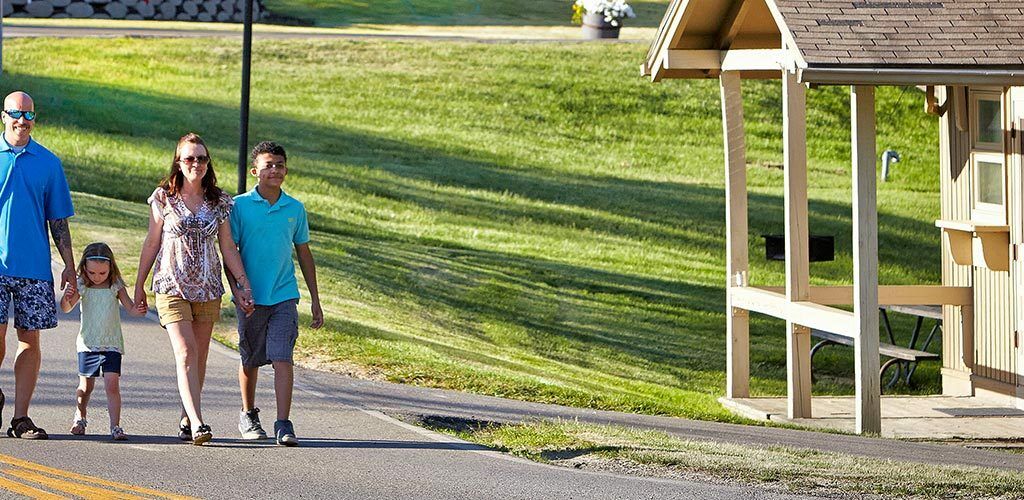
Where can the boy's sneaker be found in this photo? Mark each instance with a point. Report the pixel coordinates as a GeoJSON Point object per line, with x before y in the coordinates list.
{"type": "Point", "coordinates": [249, 424]}
{"type": "Point", "coordinates": [284, 431]}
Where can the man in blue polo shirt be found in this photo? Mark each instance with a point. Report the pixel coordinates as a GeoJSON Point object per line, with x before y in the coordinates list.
{"type": "Point", "coordinates": [266, 224]}
{"type": "Point", "coordinates": [33, 194]}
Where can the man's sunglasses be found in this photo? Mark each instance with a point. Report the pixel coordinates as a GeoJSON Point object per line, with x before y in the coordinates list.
{"type": "Point", "coordinates": [17, 114]}
{"type": "Point", "coordinates": [196, 159]}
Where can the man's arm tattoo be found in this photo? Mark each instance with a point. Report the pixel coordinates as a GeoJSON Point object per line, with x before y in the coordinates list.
{"type": "Point", "coordinates": [61, 234]}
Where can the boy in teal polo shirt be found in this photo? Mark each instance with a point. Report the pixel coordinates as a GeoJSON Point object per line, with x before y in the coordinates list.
{"type": "Point", "coordinates": [266, 223]}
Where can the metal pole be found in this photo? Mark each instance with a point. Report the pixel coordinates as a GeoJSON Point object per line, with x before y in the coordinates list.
{"type": "Point", "coordinates": [1, 36]}
{"type": "Point", "coordinates": [243, 143]}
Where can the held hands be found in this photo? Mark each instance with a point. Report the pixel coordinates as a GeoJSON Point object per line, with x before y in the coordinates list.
{"type": "Point", "coordinates": [69, 280]}
{"type": "Point", "coordinates": [141, 307]}
{"type": "Point", "coordinates": [245, 302]}
{"type": "Point", "coordinates": [69, 293]}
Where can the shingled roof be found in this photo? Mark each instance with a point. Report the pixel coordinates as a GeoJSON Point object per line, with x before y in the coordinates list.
{"type": "Point", "coordinates": [906, 33]}
{"type": "Point", "coordinates": [836, 41]}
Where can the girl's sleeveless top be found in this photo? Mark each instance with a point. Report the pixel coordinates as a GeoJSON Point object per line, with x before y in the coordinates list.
{"type": "Point", "coordinates": [101, 319]}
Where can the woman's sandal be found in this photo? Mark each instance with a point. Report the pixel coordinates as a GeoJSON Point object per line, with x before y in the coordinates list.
{"type": "Point", "coordinates": [78, 428]}
{"type": "Point", "coordinates": [202, 435]}
{"type": "Point", "coordinates": [117, 433]}
{"type": "Point", "coordinates": [23, 428]}
{"type": "Point", "coordinates": [185, 429]}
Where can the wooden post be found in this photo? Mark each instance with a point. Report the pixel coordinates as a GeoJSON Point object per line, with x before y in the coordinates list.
{"type": "Point", "coordinates": [865, 260]}
{"type": "Point", "coordinates": [737, 261]}
{"type": "Point", "coordinates": [798, 338]}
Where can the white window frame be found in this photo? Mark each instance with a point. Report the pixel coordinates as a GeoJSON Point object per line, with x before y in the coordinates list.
{"type": "Point", "coordinates": [990, 95]}
{"type": "Point", "coordinates": [990, 152]}
{"type": "Point", "coordinates": [988, 212]}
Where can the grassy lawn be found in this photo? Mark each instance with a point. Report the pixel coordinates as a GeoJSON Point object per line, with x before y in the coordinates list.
{"type": "Point", "coordinates": [448, 12]}
{"type": "Point", "coordinates": [523, 220]}
{"type": "Point", "coordinates": [808, 472]}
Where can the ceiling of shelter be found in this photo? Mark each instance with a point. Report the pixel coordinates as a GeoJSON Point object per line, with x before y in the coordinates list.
{"type": "Point", "coordinates": [744, 24]}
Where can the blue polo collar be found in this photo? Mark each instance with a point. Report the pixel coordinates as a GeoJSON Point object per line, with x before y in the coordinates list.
{"type": "Point", "coordinates": [32, 146]}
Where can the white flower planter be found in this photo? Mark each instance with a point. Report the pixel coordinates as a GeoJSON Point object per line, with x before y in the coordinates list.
{"type": "Point", "coordinates": [595, 27]}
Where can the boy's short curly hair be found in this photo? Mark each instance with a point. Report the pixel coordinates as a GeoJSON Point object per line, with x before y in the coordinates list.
{"type": "Point", "coordinates": [270, 147]}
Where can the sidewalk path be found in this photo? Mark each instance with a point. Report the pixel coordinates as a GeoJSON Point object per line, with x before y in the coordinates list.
{"type": "Point", "coordinates": [349, 448]}
{"type": "Point", "coordinates": [440, 34]}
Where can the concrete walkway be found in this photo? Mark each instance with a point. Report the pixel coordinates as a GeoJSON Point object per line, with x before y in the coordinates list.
{"type": "Point", "coordinates": [906, 417]}
{"type": "Point", "coordinates": [485, 34]}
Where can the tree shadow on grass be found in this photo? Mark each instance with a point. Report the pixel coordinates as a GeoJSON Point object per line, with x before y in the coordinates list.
{"type": "Point", "coordinates": [569, 312]}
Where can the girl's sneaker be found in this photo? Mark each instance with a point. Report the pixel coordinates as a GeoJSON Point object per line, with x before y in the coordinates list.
{"type": "Point", "coordinates": [78, 428]}
{"type": "Point", "coordinates": [117, 433]}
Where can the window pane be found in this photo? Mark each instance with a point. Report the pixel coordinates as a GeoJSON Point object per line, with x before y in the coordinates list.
{"type": "Point", "coordinates": [990, 182]}
{"type": "Point", "coordinates": [989, 121]}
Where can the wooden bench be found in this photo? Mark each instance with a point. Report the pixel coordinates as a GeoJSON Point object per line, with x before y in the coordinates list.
{"type": "Point", "coordinates": [896, 354]}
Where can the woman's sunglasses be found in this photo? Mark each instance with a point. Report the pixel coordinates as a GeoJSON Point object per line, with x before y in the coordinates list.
{"type": "Point", "coordinates": [17, 114]}
{"type": "Point", "coordinates": [195, 159]}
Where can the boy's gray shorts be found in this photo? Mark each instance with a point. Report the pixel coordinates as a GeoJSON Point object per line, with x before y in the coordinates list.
{"type": "Point", "coordinates": [268, 334]}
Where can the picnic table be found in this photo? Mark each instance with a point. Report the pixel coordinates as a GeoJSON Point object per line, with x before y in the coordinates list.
{"type": "Point", "coordinates": [905, 359]}
{"type": "Point", "coordinates": [933, 313]}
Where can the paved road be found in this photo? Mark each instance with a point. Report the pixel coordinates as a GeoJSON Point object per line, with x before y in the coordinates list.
{"type": "Point", "coordinates": [81, 31]}
{"type": "Point", "coordinates": [348, 450]}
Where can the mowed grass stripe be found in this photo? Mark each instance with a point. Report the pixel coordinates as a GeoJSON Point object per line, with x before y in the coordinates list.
{"type": "Point", "coordinates": [534, 231]}
{"type": "Point", "coordinates": [79, 484]}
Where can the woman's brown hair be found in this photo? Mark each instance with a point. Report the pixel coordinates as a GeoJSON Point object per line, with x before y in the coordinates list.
{"type": "Point", "coordinates": [175, 179]}
{"type": "Point", "coordinates": [99, 251]}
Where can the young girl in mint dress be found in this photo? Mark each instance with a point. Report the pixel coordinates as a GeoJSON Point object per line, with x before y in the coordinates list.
{"type": "Point", "coordinates": [100, 343]}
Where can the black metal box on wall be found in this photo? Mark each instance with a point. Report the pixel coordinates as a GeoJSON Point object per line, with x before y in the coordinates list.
{"type": "Point", "coordinates": [821, 248]}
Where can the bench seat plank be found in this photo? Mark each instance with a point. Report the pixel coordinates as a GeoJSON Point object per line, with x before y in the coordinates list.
{"type": "Point", "coordinates": [889, 350]}
{"type": "Point", "coordinates": [933, 312]}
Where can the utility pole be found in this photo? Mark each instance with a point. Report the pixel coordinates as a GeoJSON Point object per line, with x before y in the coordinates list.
{"type": "Point", "coordinates": [243, 143]}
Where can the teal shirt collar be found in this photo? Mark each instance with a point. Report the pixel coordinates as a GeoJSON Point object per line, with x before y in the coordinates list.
{"type": "Point", "coordinates": [283, 201]}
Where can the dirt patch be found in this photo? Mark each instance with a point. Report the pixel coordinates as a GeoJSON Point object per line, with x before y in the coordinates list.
{"type": "Point", "coordinates": [597, 463]}
{"type": "Point", "coordinates": [446, 423]}
{"type": "Point", "coordinates": [315, 361]}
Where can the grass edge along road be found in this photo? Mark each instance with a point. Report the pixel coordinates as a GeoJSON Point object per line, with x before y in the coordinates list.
{"type": "Point", "coordinates": [656, 454]}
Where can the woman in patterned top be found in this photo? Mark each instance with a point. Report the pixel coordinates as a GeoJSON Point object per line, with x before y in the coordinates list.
{"type": "Point", "coordinates": [188, 222]}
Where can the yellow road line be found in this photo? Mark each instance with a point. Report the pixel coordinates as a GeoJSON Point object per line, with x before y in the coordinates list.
{"type": "Point", "coordinates": [79, 490]}
{"type": "Point", "coordinates": [32, 466]}
{"type": "Point", "coordinates": [24, 489]}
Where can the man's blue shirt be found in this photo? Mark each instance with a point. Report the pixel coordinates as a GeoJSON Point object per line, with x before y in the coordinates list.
{"type": "Point", "coordinates": [33, 190]}
{"type": "Point", "coordinates": [265, 235]}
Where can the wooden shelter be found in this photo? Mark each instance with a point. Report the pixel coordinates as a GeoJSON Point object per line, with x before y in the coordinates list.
{"type": "Point", "coordinates": [968, 56]}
